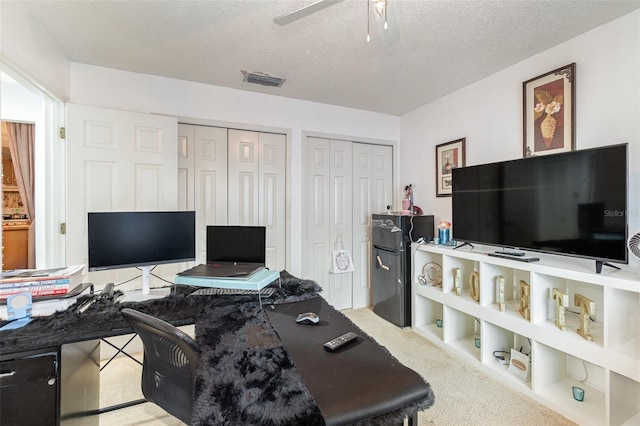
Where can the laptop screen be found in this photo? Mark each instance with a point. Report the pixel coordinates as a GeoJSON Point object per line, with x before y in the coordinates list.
{"type": "Point", "coordinates": [242, 244]}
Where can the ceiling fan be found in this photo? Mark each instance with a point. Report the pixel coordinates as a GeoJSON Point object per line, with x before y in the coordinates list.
{"type": "Point", "coordinates": [307, 10]}
{"type": "Point", "coordinates": [385, 22]}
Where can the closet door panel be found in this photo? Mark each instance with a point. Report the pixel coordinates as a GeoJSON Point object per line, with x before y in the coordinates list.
{"type": "Point", "coordinates": [257, 188]}
{"type": "Point", "coordinates": [244, 167]}
{"type": "Point", "coordinates": [382, 196]}
{"type": "Point", "coordinates": [186, 163]}
{"type": "Point", "coordinates": [363, 181]}
{"type": "Point", "coordinates": [316, 246]}
{"type": "Point", "coordinates": [341, 226]}
{"type": "Point", "coordinates": [210, 183]}
{"type": "Point", "coordinates": [272, 196]}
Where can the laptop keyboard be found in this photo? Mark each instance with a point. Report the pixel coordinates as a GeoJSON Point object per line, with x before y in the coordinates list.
{"type": "Point", "coordinates": [215, 291]}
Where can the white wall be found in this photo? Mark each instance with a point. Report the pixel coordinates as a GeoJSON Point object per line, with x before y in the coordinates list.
{"type": "Point", "coordinates": [489, 113]}
{"type": "Point", "coordinates": [27, 47]}
{"type": "Point", "coordinates": [201, 104]}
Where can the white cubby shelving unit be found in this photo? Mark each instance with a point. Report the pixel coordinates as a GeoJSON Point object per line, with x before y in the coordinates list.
{"type": "Point", "coordinates": [606, 367]}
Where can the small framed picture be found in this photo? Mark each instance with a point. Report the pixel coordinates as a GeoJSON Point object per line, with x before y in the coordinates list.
{"type": "Point", "coordinates": [549, 112]}
{"type": "Point", "coordinates": [448, 156]}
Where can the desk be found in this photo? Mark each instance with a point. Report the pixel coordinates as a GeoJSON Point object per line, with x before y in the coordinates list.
{"type": "Point", "coordinates": [226, 328]}
{"type": "Point", "coordinates": [359, 381]}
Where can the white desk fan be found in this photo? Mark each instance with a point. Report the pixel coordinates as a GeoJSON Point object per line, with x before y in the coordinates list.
{"type": "Point", "coordinates": [634, 247]}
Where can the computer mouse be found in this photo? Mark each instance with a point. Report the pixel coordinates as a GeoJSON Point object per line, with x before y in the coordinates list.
{"type": "Point", "coordinates": [308, 318]}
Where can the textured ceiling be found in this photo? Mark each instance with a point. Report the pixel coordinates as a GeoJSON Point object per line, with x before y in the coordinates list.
{"type": "Point", "coordinates": [441, 46]}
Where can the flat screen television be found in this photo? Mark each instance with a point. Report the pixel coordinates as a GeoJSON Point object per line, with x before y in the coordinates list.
{"type": "Point", "coordinates": [572, 204]}
{"type": "Point", "coordinates": [140, 239]}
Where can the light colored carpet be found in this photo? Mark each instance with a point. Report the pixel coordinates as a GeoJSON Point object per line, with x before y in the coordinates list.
{"type": "Point", "coordinates": [464, 394]}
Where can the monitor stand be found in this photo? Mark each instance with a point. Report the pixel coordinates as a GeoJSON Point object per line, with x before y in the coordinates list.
{"type": "Point", "coordinates": [146, 273]}
{"type": "Point", "coordinates": [146, 293]}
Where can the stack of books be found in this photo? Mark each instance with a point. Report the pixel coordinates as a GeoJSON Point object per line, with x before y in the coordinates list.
{"type": "Point", "coordinates": [56, 282]}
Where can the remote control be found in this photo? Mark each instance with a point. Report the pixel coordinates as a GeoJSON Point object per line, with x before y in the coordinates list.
{"type": "Point", "coordinates": [339, 342]}
{"type": "Point", "coordinates": [511, 253]}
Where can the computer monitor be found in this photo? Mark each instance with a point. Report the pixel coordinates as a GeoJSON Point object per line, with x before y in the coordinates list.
{"type": "Point", "coordinates": [140, 239]}
{"type": "Point", "coordinates": [240, 244]}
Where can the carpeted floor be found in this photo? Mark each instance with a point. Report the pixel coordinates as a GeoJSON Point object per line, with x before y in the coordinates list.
{"type": "Point", "coordinates": [465, 395]}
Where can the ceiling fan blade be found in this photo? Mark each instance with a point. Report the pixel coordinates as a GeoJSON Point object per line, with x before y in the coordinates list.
{"type": "Point", "coordinates": [288, 18]}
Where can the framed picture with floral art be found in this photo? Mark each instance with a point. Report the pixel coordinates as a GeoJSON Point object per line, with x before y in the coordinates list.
{"type": "Point", "coordinates": [549, 112]}
{"type": "Point", "coordinates": [448, 156]}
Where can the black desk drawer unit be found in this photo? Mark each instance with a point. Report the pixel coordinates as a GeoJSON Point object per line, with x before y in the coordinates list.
{"type": "Point", "coordinates": [29, 388]}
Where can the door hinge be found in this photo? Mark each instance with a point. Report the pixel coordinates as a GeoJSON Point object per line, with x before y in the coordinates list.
{"type": "Point", "coordinates": [63, 228]}
{"type": "Point", "coordinates": [63, 133]}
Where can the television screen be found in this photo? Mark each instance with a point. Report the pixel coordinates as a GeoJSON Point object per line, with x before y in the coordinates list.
{"type": "Point", "coordinates": [573, 203]}
{"type": "Point", "coordinates": [127, 239]}
{"type": "Point", "coordinates": [241, 244]}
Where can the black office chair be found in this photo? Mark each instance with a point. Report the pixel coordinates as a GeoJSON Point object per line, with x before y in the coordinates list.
{"type": "Point", "coordinates": [169, 365]}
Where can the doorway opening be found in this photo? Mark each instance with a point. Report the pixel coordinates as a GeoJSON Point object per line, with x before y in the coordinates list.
{"type": "Point", "coordinates": [23, 101]}
{"type": "Point", "coordinates": [18, 210]}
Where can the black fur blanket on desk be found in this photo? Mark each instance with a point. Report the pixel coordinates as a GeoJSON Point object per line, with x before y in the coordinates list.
{"type": "Point", "coordinates": [103, 319]}
{"type": "Point", "coordinates": [245, 376]}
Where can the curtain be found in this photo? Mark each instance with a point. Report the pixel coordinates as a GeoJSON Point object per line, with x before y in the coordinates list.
{"type": "Point", "coordinates": [21, 147]}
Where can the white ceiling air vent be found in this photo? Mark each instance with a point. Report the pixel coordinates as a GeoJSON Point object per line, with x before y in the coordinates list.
{"type": "Point", "coordinates": [262, 78]}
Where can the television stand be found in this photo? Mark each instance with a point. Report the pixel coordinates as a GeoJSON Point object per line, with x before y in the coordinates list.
{"type": "Point", "coordinates": [600, 263]}
{"type": "Point", "coordinates": [464, 244]}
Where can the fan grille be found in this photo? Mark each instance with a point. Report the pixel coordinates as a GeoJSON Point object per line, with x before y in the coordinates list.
{"type": "Point", "coordinates": [634, 245]}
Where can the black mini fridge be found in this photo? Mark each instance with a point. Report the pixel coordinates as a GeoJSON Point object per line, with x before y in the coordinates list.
{"type": "Point", "coordinates": [392, 236]}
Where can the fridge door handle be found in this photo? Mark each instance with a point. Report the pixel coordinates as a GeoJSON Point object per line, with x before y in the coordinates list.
{"type": "Point", "coordinates": [383, 266]}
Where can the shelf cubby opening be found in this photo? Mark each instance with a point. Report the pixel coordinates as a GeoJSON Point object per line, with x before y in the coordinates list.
{"type": "Point", "coordinates": [466, 268]}
{"type": "Point", "coordinates": [555, 373]}
{"type": "Point", "coordinates": [428, 317]}
{"type": "Point", "coordinates": [491, 275]}
{"type": "Point", "coordinates": [625, 400]}
{"type": "Point", "coordinates": [549, 291]}
{"type": "Point", "coordinates": [460, 331]}
{"type": "Point", "coordinates": [623, 322]}
{"type": "Point", "coordinates": [498, 342]}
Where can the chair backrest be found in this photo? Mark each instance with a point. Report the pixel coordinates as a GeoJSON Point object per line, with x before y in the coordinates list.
{"type": "Point", "coordinates": [169, 366]}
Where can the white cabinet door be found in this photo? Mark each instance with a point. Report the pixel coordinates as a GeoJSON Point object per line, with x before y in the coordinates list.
{"type": "Point", "coordinates": [202, 176]}
{"type": "Point", "coordinates": [257, 185]}
{"type": "Point", "coordinates": [116, 161]}
{"type": "Point", "coordinates": [372, 192]}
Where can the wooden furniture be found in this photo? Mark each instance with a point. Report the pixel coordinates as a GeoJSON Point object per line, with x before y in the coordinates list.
{"type": "Point", "coordinates": [15, 246]}
{"type": "Point", "coordinates": [607, 367]}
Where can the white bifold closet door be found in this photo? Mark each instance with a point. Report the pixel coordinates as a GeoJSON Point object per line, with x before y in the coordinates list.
{"type": "Point", "coordinates": [235, 177]}
{"type": "Point", "coordinates": [372, 192]}
{"type": "Point", "coordinates": [257, 171]}
{"type": "Point", "coordinates": [117, 161]}
{"type": "Point", "coordinates": [327, 217]}
{"type": "Point", "coordinates": [345, 182]}
{"type": "Point", "coordinates": [202, 178]}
